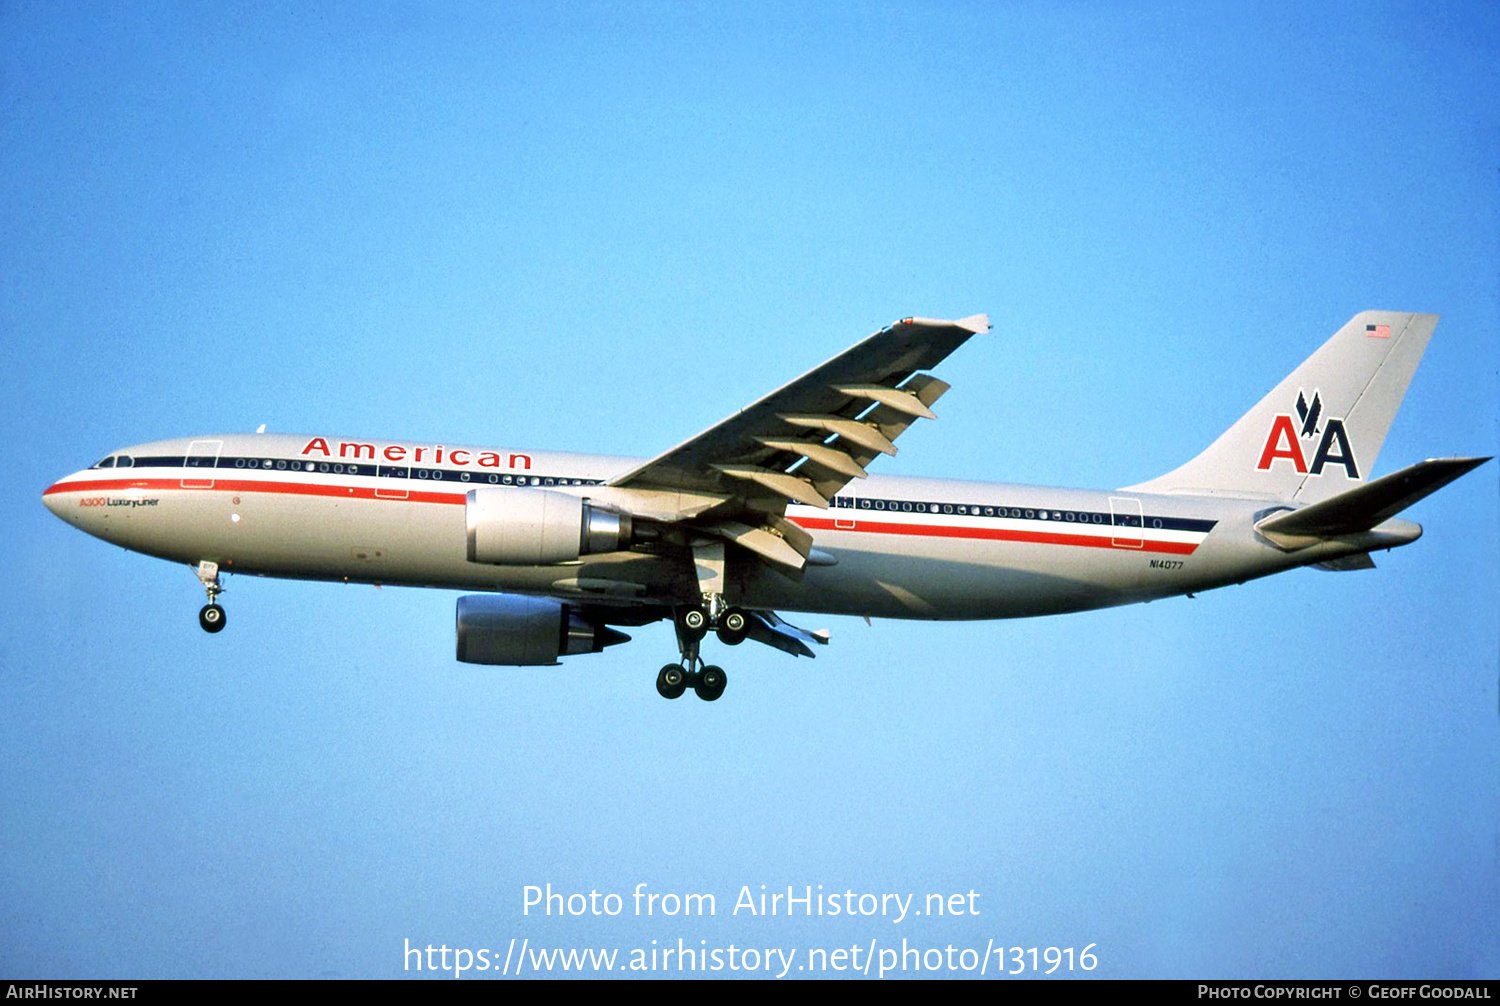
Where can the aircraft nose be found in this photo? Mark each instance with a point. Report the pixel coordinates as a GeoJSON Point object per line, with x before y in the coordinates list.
{"type": "Point", "coordinates": [52, 498]}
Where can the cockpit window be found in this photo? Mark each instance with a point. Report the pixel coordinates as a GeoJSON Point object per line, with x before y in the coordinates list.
{"type": "Point", "coordinates": [124, 461]}
{"type": "Point", "coordinates": [108, 462]}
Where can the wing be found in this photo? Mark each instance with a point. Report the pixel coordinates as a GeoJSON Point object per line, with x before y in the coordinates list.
{"type": "Point", "coordinates": [806, 440]}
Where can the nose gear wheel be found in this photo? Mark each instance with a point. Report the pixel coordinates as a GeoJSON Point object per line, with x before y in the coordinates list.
{"type": "Point", "coordinates": [211, 616]}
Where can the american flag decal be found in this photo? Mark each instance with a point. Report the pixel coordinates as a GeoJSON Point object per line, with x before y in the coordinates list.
{"type": "Point", "coordinates": [1378, 331]}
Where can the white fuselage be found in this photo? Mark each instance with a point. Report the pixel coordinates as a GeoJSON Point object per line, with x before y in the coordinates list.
{"type": "Point", "coordinates": [391, 512]}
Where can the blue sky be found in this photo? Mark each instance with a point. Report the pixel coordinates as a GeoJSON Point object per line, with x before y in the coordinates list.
{"type": "Point", "coordinates": [603, 227]}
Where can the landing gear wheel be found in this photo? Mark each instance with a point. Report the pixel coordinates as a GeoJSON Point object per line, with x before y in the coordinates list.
{"type": "Point", "coordinates": [211, 617]}
{"type": "Point", "coordinates": [734, 626]}
{"type": "Point", "coordinates": [694, 622]}
{"type": "Point", "coordinates": [671, 682]}
{"type": "Point", "coordinates": [711, 682]}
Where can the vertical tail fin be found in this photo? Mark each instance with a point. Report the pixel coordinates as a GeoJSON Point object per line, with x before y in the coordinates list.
{"type": "Point", "coordinates": [1319, 431]}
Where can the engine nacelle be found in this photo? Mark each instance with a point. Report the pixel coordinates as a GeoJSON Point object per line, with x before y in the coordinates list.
{"type": "Point", "coordinates": [540, 527]}
{"type": "Point", "coordinates": [524, 631]}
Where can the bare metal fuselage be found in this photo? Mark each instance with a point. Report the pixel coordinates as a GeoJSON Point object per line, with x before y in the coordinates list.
{"type": "Point", "coordinates": [893, 547]}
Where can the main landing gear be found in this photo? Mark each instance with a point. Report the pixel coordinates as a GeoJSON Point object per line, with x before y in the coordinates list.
{"type": "Point", "coordinates": [211, 616]}
{"type": "Point", "coordinates": [693, 623]}
{"type": "Point", "coordinates": [708, 681]}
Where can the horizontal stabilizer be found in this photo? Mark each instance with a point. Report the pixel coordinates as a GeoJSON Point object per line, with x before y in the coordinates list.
{"type": "Point", "coordinates": [1366, 506]}
{"type": "Point", "coordinates": [767, 627]}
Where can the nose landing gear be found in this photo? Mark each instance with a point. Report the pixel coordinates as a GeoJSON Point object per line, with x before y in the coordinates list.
{"type": "Point", "coordinates": [211, 616]}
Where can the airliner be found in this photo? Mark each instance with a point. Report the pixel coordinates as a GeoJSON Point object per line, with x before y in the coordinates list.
{"type": "Point", "coordinates": [774, 509]}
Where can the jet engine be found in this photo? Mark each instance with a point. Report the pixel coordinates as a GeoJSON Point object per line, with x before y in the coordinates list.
{"type": "Point", "coordinates": [539, 527]}
{"type": "Point", "coordinates": [521, 631]}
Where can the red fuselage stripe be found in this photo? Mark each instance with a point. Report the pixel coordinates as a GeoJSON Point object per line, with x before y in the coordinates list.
{"type": "Point", "coordinates": [863, 526]}
{"type": "Point", "coordinates": [1000, 534]}
{"type": "Point", "coordinates": [255, 486]}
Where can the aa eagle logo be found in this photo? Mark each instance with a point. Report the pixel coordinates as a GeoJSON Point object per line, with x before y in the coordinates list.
{"type": "Point", "coordinates": [1285, 440]}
